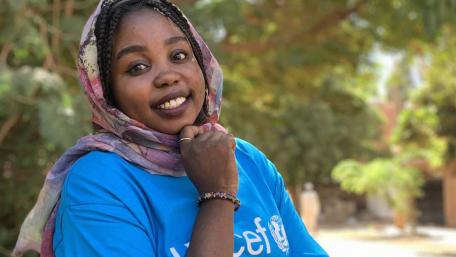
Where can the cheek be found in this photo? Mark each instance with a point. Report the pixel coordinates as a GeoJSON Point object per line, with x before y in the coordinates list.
{"type": "Point", "coordinates": [131, 86]}
{"type": "Point", "coordinates": [129, 94]}
{"type": "Point", "coordinates": [201, 90]}
{"type": "Point", "coordinates": [195, 78]}
{"type": "Point", "coordinates": [200, 82]}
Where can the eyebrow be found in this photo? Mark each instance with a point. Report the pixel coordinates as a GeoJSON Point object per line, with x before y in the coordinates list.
{"type": "Point", "coordinates": [173, 40]}
{"type": "Point", "coordinates": [141, 48]}
{"type": "Point", "coordinates": [130, 49]}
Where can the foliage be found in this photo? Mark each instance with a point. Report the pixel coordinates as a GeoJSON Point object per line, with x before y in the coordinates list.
{"type": "Point", "coordinates": [44, 118]}
{"type": "Point", "coordinates": [43, 110]}
{"type": "Point", "coordinates": [430, 115]}
{"type": "Point", "coordinates": [388, 178]}
{"type": "Point", "coordinates": [298, 80]}
{"type": "Point", "coordinates": [425, 131]}
{"type": "Point", "coordinates": [281, 58]}
{"type": "Point", "coordinates": [318, 134]}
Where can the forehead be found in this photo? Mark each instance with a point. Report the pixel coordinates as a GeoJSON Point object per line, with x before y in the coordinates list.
{"type": "Point", "coordinates": [146, 23]}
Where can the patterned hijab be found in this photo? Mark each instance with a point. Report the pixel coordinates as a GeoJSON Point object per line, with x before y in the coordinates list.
{"type": "Point", "coordinates": [156, 152]}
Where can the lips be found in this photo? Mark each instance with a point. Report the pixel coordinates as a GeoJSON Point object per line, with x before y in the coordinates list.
{"type": "Point", "coordinates": [172, 104]}
{"type": "Point", "coordinates": [168, 98]}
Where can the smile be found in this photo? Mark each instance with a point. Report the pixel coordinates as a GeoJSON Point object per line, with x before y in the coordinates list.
{"type": "Point", "coordinates": [172, 104]}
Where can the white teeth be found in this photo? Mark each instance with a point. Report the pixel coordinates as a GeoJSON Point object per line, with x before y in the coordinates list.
{"type": "Point", "coordinates": [174, 103]}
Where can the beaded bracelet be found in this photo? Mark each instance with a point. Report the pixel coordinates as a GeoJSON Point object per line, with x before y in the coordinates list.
{"type": "Point", "coordinates": [220, 195]}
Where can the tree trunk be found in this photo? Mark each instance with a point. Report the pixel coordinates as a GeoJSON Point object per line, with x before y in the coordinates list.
{"type": "Point", "coordinates": [449, 193]}
{"type": "Point", "coordinates": [400, 220]}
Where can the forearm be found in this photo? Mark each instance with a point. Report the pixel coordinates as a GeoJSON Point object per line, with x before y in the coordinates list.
{"type": "Point", "coordinates": [213, 231]}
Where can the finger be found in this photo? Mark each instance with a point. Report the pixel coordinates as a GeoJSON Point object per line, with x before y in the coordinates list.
{"type": "Point", "coordinates": [232, 141]}
{"type": "Point", "coordinates": [216, 137]}
{"type": "Point", "coordinates": [190, 132]}
{"type": "Point", "coordinates": [187, 134]}
{"type": "Point", "coordinates": [206, 127]}
{"type": "Point", "coordinates": [219, 127]}
{"type": "Point", "coordinates": [204, 136]}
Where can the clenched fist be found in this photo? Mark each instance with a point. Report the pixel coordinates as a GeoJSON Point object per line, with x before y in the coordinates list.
{"type": "Point", "coordinates": [209, 159]}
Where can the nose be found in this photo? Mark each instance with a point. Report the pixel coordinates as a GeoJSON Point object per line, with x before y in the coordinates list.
{"type": "Point", "coordinates": [167, 78]}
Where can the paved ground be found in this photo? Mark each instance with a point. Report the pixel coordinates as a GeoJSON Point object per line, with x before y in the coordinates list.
{"type": "Point", "coordinates": [386, 241]}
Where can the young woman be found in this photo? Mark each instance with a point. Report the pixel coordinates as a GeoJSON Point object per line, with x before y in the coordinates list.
{"type": "Point", "coordinates": [159, 177]}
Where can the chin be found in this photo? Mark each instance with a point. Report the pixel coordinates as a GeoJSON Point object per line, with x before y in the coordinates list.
{"type": "Point", "coordinates": [171, 126]}
{"type": "Point", "coordinates": [173, 130]}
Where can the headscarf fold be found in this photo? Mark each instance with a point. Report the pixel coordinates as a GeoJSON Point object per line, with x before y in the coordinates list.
{"type": "Point", "coordinates": [154, 151]}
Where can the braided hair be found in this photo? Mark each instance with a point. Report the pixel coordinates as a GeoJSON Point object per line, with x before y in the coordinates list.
{"type": "Point", "coordinates": [107, 22]}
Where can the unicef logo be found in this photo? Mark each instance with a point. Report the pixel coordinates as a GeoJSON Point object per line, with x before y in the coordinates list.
{"type": "Point", "coordinates": [278, 233]}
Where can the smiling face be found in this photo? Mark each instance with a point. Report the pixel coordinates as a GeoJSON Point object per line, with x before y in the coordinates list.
{"type": "Point", "coordinates": [155, 77]}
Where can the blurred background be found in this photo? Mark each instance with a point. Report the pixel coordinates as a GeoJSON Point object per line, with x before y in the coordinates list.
{"type": "Point", "coordinates": [356, 96]}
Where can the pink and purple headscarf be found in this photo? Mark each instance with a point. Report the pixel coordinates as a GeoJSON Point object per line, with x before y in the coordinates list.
{"type": "Point", "coordinates": [156, 152]}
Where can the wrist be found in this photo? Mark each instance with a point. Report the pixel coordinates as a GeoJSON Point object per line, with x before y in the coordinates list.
{"type": "Point", "coordinates": [227, 189]}
{"type": "Point", "coordinates": [217, 204]}
{"type": "Point", "coordinates": [227, 197]}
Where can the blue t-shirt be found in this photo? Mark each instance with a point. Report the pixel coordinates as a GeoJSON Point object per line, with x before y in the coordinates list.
{"type": "Point", "coordinates": [111, 207]}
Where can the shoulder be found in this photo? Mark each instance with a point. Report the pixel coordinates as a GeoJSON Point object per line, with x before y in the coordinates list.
{"type": "Point", "coordinates": [99, 177]}
{"type": "Point", "coordinates": [256, 168]}
{"type": "Point", "coordinates": [255, 161]}
{"type": "Point", "coordinates": [245, 149]}
{"type": "Point", "coordinates": [243, 145]}
{"type": "Point", "coordinates": [97, 158]}
{"type": "Point", "coordinates": [99, 166]}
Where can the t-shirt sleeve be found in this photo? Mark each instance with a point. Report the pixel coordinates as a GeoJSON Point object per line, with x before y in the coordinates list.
{"type": "Point", "coordinates": [94, 217]}
{"type": "Point", "coordinates": [301, 242]}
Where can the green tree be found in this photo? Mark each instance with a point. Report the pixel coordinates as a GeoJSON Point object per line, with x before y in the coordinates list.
{"type": "Point", "coordinates": [390, 179]}
{"type": "Point", "coordinates": [429, 122]}
{"type": "Point", "coordinates": [283, 61]}
{"type": "Point", "coordinates": [43, 110]}
{"type": "Point", "coordinates": [280, 55]}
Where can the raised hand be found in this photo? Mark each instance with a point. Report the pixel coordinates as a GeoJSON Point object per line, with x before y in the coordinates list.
{"type": "Point", "coordinates": [209, 159]}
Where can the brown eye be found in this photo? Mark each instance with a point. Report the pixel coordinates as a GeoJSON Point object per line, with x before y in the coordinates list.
{"type": "Point", "coordinates": [137, 69]}
{"type": "Point", "coordinates": [179, 56]}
